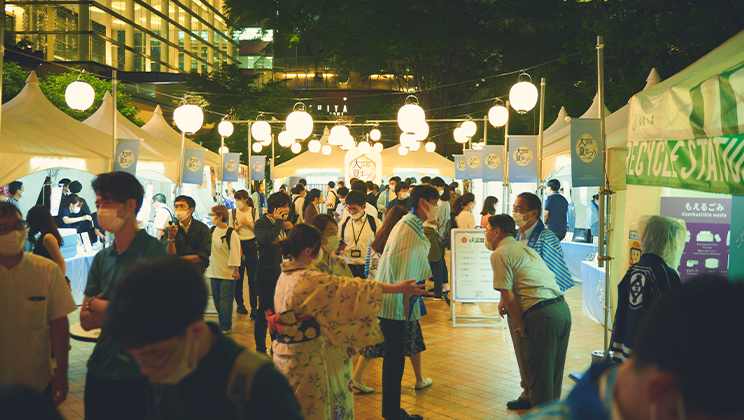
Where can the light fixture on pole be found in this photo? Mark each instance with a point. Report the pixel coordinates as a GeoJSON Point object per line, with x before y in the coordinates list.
{"type": "Point", "coordinates": [402, 150]}
{"type": "Point", "coordinates": [326, 149]}
{"type": "Point", "coordinates": [469, 128]}
{"type": "Point", "coordinates": [225, 128]}
{"type": "Point", "coordinates": [296, 147]}
{"type": "Point", "coordinates": [299, 122]}
{"type": "Point", "coordinates": [375, 134]}
{"type": "Point", "coordinates": [224, 150]}
{"type": "Point", "coordinates": [285, 139]}
{"type": "Point", "coordinates": [338, 135]}
{"type": "Point", "coordinates": [313, 146]}
{"type": "Point", "coordinates": [410, 115]}
{"type": "Point", "coordinates": [378, 147]}
{"type": "Point", "coordinates": [430, 146]}
{"type": "Point", "coordinates": [523, 95]}
{"type": "Point", "coordinates": [364, 147]}
{"type": "Point", "coordinates": [79, 95]}
{"type": "Point", "coordinates": [189, 119]}
{"type": "Point", "coordinates": [257, 147]}
{"type": "Point", "coordinates": [498, 115]}
{"type": "Point", "coordinates": [460, 136]}
{"type": "Point", "coordinates": [261, 130]}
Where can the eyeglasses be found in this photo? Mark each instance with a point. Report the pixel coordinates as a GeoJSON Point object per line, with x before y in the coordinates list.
{"type": "Point", "coordinates": [353, 208]}
{"type": "Point", "coordinates": [17, 225]}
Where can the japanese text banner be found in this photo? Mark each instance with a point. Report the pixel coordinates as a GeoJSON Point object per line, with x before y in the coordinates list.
{"type": "Point", "coordinates": [231, 167]}
{"type": "Point", "coordinates": [460, 167]}
{"type": "Point", "coordinates": [493, 159]}
{"type": "Point", "coordinates": [586, 153]}
{"type": "Point", "coordinates": [522, 158]}
{"type": "Point", "coordinates": [258, 164]}
{"type": "Point", "coordinates": [193, 166]}
{"type": "Point", "coordinates": [127, 152]}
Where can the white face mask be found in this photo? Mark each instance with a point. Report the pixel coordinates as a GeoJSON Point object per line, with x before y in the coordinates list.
{"type": "Point", "coordinates": [214, 220]}
{"type": "Point", "coordinates": [441, 193]}
{"type": "Point", "coordinates": [358, 216]}
{"type": "Point", "coordinates": [489, 243]}
{"type": "Point", "coordinates": [332, 245]}
{"type": "Point", "coordinates": [428, 214]}
{"type": "Point", "coordinates": [403, 195]}
{"type": "Point", "coordinates": [109, 219]}
{"type": "Point", "coordinates": [519, 219]}
{"type": "Point", "coordinates": [12, 242]}
{"type": "Point", "coordinates": [188, 363]}
{"type": "Point", "coordinates": [182, 215]}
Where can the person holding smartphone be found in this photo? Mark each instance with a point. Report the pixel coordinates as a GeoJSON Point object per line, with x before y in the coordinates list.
{"type": "Point", "coordinates": [269, 228]}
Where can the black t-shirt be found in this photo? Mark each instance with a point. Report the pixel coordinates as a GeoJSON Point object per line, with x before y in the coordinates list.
{"type": "Point", "coordinates": [557, 207]}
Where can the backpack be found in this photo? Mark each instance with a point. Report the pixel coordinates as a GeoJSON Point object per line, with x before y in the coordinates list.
{"type": "Point", "coordinates": [227, 235]}
{"type": "Point", "coordinates": [234, 214]}
{"type": "Point", "coordinates": [292, 216]}
{"type": "Point", "coordinates": [370, 220]}
{"type": "Point", "coordinates": [335, 201]}
{"type": "Point", "coordinates": [447, 236]}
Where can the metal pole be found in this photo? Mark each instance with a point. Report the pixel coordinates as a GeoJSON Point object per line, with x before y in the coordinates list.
{"type": "Point", "coordinates": [603, 192]}
{"type": "Point", "coordinates": [180, 165]}
{"type": "Point", "coordinates": [271, 168]}
{"type": "Point", "coordinates": [506, 164]}
{"type": "Point", "coordinates": [250, 167]}
{"type": "Point", "coordinates": [540, 186]}
{"type": "Point", "coordinates": [222, 166]}
{"type": "Point", "coordinates": [485, 142]}
{"type": "Point", "coordinates": [2, 56]}
{"type": "Point", "coordinates": [114, 128]}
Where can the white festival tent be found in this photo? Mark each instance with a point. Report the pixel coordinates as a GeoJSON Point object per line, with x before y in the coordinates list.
{"type": "Point", "coordinates": [312, 164]}
{"type": "Point", "coordinates": [418, 163]}
{"type": "Point", "coordinates": [165, 155]}
{"type": "Point", "coordinates": [159, 127]}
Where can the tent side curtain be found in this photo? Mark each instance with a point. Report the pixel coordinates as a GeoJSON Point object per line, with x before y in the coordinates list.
{"type": "Point", "coordinates": [704, 100]}
{"type": "Point", "coordinates": [712, 164]}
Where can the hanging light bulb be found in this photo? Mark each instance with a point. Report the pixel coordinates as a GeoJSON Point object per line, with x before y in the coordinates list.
{"type": "Point", "coordinates": [523, 95]}
{"type": "Point", "coordinates": [224, 150]}
{"type": "Point", "coordinates": [285, 139]}
{"type": "Point", "coordinates": [410, 115]}
{"type": "Point", "coordinates": [225, 128]}
{"type": "Point", "coordinates": [375, 134]}
{"type": "Point", "coordinates": [79, 95]}
{"type": "Point", "coordinates": [469, 128]}
{"type": "Point", "coordinates": [261, 130]}
{"type": "Point", "coordinates": [460, 136]}
{"type": "Point", "coordinates": [498, 115]}
{"type": "Point", "coordinates": [299, 122]}
{"type": "Point", "coordinates": [415, 145]}
{"type": "Point", "coordinates": [313, 146]}
{"type": "Point", "coordinates": [430, 146]}
{"type": "Point", "coordinates": [326, 149]}
{"type": "Point", "coordinates": [296, 148]}
{"type": "Point", "coordinates": [364, 147]}
{"type": "Point", "coordinates": [402, 150]}
{"type": "Point", "coordinates": [257, 147]}
{"type": "Point", "coordinates": [338, 134]}
{"type": "Point", "coordinates": [378, 147]}
{"type": "Point", "coordinates": [189, 118]}
{"type": "Point", "coordinates": [422, 131]}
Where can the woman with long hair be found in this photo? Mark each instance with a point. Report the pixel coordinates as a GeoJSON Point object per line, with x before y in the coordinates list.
{"type": "Point", "coordinates": [320, 319]}
{"type": "Point", "coordinates": [40, 222]}
{"type": "Point", "coordinates": [414, 338]}
{"type": "Point", "coordinates": [489, 209]}
{"type": "Point", "coordinates": [461, 211]}
{"type": "Point", "coordinates": [310, 207]}
{"type": "Point", "coordinates": [329, 262]}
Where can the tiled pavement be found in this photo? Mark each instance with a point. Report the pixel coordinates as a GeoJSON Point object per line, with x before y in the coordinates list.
{"type": "Point", "coordinates": [474, 369]}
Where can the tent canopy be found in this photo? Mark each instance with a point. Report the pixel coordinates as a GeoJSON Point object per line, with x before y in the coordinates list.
{"type": "Point", "coordinates": [159, 128]}
{"type": "Point", "coordinates": [704, 100]}
{"type": "Point", "coordinates": [420, 161]}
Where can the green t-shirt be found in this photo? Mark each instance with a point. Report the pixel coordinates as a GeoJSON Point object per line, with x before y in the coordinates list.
{"type": "Point", "coordinates": [108, 360]}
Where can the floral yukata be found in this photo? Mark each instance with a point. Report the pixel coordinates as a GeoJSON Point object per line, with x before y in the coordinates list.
{"type": "Point", "coordinates": [320, 319]}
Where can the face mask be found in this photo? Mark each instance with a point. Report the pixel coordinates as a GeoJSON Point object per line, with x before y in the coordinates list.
{"type": "Point", "coordinates": [214, 220]}
{"type": "Point", "coordinates": [332, 245]}
{"type": "Point", "coordinates": [109, 219]}
{"type": "Point", "coordinates": [428, 214]}
{"type": "Point", "coordinates": [239, 204]}
{"type": "Point", "coordinates": [404, 195]}
{"type": "Point", "coordinates": [441, 193]}
{"type": "Point", "coordinates": [188, 363]}
{"type": "Point", "coordinates": [489, 243]}
{"type": "Point", "coordinates": [519, 219]}
{"type": "Point", "coordinates": [358, 216]}
{"type": "Point", "coordinates": [182, 215]}
{"type": "Point", "coordinates": [12, 243]}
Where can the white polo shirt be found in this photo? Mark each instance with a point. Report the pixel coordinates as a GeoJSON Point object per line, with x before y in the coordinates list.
{"type": "Point", "coordinates": [32, 294]}
{"type": "Point", "coordinates": [357, 236]}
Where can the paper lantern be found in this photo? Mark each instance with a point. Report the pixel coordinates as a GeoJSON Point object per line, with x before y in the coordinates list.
{"type": "Point", "coordinates": [422, 131]}
{"type": "Point", "coordinates": [300, 124]}
{"type": "Point", "coordinates": [338, 134]}
{"type": "Point", "coordinates": [415, 145]}
{"type": "Point", "coordinates": [375, 134]}
{"type": "Point", "coordinates": [469, 128]}
{"type": "Point", "coordinates": [225, 128]}
{"type": "Point", "coordinates": [257, 147]}
{"type": "Point", "coordinates": [523, 96]}
{"type": "Point", "coordinates": [313, 146]}
{"type": "Point", "coordinates": [326, 149]}
{"type": "Point", "coordinates": [224, 150]}
{"type": "Point", "coordinates": [189, 118]}
{"type": "Point", "coordinates": [296, 148]}
{"type": "Point", "coordinates": [402, 150]}
{"type": "Point", "coordinates": [285, 139]}
{"type": "Point", "coordinates": [79, 95]}
{"type": "Point", "coordinates": [261, 131]}
{"type": "Point", "coordinates": [430, 146]}
{"type": "Point", "coordinates": [410, 116]}
{"type": "Point", "coordinates": [378, 147]}
{"type": "Point", "coordinates": [460, 136]}
{"type": "Point", "coordinates": [364, 147]}
{"type": "Point", "coordinates": [498, 115]}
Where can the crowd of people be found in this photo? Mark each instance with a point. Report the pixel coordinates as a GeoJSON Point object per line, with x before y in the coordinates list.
{"type": "Point", "coordinates": [326, 285]}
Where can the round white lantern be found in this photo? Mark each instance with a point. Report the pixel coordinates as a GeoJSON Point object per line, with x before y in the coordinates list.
{"type": "Point", "coordinates": [300, 124]}
{"type": "Point", "coordinates": [79, 95]}
{"type": "Point", "coordinates": [348, 143]}
{"type": "Point", "coordinates": [257, 147]}
{"type": "Point", "coordinates": [378, 147]}
{"type": "Point", "coordinates": [407, 138]}
{"type": "Point", "coordinates": [285, 139]}
{"type": "Point", "coordinates": [402, 150]}
{"type": "Point", "coordinates": [498, 115]}
{"type": "Point", "coordinates": [225, 128]}
{"type": "Point", "coordinates": [422, 131]}
{"type": "Point", "coordinates": [375, 134]}
{"type": "Point", "coordinates": [296, 148]}
{"type": "Point", "coordinates": [338, 134]}
{"type": "Point", "coordinates": [430, 146]}
{"type": "Point", "coordinates": [523, 96]}
{"type": "Point", "coordinates": [364, 147]}
{"type": "Point", "coordinates": [410, 116]}
{"type": "Point", "coordinates": [224, 150]}
{"type": "Point", "coordinates": [326, 149]}
{"type": "Point", "coordinates": [460, 136]}
{"type": "Point", "coordinates": [189, 118]}
{"type": "Point", "coordinates": [469, 128]}
{"type": "Point", "coordinates": [313, 146]}
{"type": "Point", "coordinates": [261, 131]}
{"type": "Point", "coordinates": [266, 142]}
{"type": "Point", "coordinates": [415, 145]}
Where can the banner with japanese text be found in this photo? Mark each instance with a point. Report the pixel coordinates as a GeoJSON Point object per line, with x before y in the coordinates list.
{"type": "Point", "coordinates": [258, 165]}
{"type": "Point", "coordinates": [522, 158]}
{"type": "Point", "coordinates": [712, 164]}
{"type": "Point", "coordinates": [460, 167]}
{"type": "Point", "coordinates": [586, 153]}
{"type": "Point", "coordinates": [193, 166]}
{"type": "Point", "coordinates": [493, 159]}
{"type": "Point", "coordinates": [127, 152]}
{"type": "Point", "coordinates": [473, 164]}
{"type": "Point", "coordinates": [231, 167]}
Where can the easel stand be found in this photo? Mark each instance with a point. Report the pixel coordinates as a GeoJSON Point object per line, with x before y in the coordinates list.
{"type": "Point", "coordinates": [484, 318]}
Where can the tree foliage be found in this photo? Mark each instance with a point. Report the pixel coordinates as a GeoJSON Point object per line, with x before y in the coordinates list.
{"type": "Point", "coordinates": [14, 78]}
{"type": "Point", "coordinates": [54, 86]}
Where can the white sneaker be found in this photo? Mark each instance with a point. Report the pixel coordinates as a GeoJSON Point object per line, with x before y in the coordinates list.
{"type": "Point", "coordinates": [424, 384]}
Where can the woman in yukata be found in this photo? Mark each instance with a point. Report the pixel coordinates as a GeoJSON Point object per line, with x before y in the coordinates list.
{"type": "Point", "coordinates": [320, 319]}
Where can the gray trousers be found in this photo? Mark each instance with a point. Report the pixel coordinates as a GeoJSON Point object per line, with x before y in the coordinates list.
{"type": "Point", "coordinates": [542, 354]}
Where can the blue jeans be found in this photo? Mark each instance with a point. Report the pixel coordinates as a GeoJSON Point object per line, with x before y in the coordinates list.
{"type": "Point", "coordinates": [438, 274]}
{"type": "Point", "coordinates": [223, 293]}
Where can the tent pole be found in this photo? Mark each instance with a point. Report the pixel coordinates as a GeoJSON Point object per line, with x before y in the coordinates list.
{"type": "Point", "coordinates": [113, 128]}
{"type": "Point", "coordinates": [604, 259]}
{"type": "Point", "coordinates": [180, 164]}
{"type": "Point", "coordinates": [505, 202]}
{"type": "Point", "coordinates": [2, 55]}
{"type": "Point", "coordinates": [250, 165]}
{"type": "Point", "coordinates": [271, 168]}
{"type": "Point", "coordinates": [222, 167]}
{"type": "Point", "coordinates": [540, 185]}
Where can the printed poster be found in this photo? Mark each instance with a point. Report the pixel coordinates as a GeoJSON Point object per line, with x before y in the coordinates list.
{"type": "Point", "coordinates": [127, 152]}
{"type": "Point", "coordinates": [193, 166]}
{"type": "Point", "coordinates": [522, 158]}
{"type": "Point", "coordinates": [460, 167]}
{"type": "Point", "coordinates": [258, 165]}
{"type": "Point", "coordinates": [586, 153]}
{"type": "Point", "coordinates": [473, 163]}
{"type": "Point", "coordinates": [472, 274]}
{"type": "Point", "coordinates": [230, 167]}
{"type": "Point", "coordinates": [493, 163]}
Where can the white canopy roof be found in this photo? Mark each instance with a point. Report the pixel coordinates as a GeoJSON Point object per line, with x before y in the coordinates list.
{"type": "Point", "coordinates": [159, 127]}
{"type": "Point", "coordinates": [704, 100]}
{"type": "Point", "coordinates": [307, 163]}
{"type": "Point", "coordinates": [420, 161]}
{"type": "Point", "coordinates": [155, 153]}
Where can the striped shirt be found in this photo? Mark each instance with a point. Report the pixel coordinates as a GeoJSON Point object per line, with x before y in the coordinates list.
{"type": "Point", "coordinates": [549, 248]}
{"type": "Point", "coordinates": [406, 256]}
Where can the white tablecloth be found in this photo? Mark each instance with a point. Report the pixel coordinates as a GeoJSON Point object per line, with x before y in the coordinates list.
{"type": "Point", "coordinates": [593, 289]}
{"type": "Point", "coordinates": [575, 253]}
{"type": "Point", "coordinates": [77, 271]}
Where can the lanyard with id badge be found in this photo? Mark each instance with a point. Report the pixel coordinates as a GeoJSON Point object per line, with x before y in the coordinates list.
{"type": "Point", "coordinates": [356, 252]}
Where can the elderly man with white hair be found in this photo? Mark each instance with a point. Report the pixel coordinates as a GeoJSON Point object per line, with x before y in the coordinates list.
{"type": "Point", "coordinates": [653, 276]}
